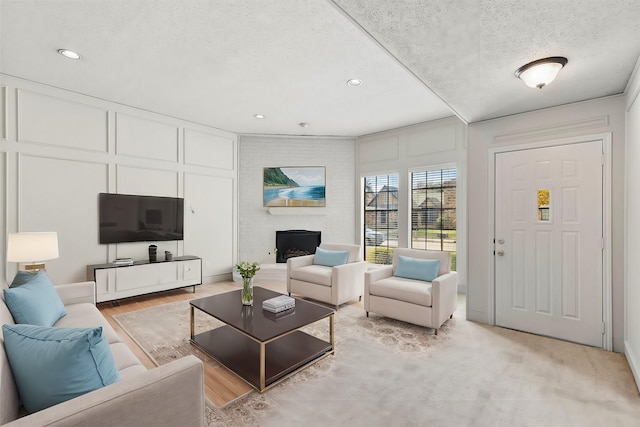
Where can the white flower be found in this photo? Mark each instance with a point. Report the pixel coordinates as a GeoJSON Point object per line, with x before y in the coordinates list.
{"type": "Point", "coordinates": [247, 269]}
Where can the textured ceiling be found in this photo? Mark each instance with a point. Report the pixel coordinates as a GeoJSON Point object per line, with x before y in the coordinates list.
{"type": "Point", "coordinates": [466, 51]}
{"type": "Point", "coordinates": [220, 62]}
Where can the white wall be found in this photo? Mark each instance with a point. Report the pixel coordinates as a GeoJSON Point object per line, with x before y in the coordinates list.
{"type": "Point", "coordinates": [257, 226]}
{"type": "Point", "coordinates": [431, 144]}
{"type": "Point", "coordinates": [586, 118]}
{"type": "Point", "coordinates": [59, 149]}
{"type": "Point", "coordinates": [632, 234]}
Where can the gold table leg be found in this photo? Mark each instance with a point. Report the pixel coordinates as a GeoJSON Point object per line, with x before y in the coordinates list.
{"type": "Point", "coordinates": [262, 366]}
{"type": "Point", "coordinates": [331, 329]}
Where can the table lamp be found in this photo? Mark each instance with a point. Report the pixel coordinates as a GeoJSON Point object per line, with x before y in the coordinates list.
{"type": "Point", "coordinates": [32, 247]}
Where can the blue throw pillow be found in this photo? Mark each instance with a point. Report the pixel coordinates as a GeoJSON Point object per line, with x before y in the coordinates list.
{"type": "Point", "coordinates": [53, 365]}
{"type": "Point", "coordinates": [23, 277]}
{"type": "Point", "coordinates": [417, 269]}
{"type": "Point", "coordinates": [35, 302]}
{"type": "Point", "coordinates": [330, 258]}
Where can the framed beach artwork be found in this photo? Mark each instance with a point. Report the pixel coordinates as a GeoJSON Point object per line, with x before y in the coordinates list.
{"type": "Point", "coordinates": [294, 186]}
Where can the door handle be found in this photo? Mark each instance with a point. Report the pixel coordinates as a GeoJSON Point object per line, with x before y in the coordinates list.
{"type": "Point", "coordinates": [500, 253]}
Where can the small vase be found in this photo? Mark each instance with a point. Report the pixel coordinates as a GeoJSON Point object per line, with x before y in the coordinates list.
{"type": "Point", "coordinates": [247, 290]}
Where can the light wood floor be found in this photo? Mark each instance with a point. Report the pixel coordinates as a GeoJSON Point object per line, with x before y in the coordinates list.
{"type": "Point", "coordinates": [221, 386]}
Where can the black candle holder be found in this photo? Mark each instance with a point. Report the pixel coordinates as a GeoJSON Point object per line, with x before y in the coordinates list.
{"type": "Point", "coordinates": [153, 253]}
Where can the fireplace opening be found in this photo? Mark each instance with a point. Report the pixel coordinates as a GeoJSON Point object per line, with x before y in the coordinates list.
{"type": "Point", "coordinates": [293, 243]}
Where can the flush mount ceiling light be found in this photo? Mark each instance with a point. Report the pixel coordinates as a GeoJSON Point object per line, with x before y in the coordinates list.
{"type": "Point", "coordinates": [541, 72]}
{"type": "Point", "coordinates": [354, 82]}
{"type": "Point", "coordinates": [69, 54]}
{"type": "Point", "coordinates": [259, 116]}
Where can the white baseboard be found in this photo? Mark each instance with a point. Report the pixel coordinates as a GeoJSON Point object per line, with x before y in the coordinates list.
{"type": "Point", "coordinates": [634, 363]}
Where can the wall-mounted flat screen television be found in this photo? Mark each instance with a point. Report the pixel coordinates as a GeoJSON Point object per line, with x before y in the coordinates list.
{"type": "Point", "coordinates": [131, 218]}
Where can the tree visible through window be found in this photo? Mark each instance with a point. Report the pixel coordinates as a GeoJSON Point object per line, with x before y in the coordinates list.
{"type": "Point", "coordinates": [433, 211]}
{"type": "Point", "coordinates": [380, 218]}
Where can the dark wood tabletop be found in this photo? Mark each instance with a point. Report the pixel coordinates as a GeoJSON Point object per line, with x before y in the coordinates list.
{"type": "Point", "coordinates": [256, 322]}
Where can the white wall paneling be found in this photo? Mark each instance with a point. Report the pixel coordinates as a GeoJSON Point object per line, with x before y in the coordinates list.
{"type": "Point", "coordinates": [602, 116]}
{"type": "Point", "coordinates": [62, 195]}
{"type": "Point", "coordinates": [3, 112]}
{"type": "Point", "coordinates": [47, 120]}
{"type": "Point", "coordinates": [70, 147]}
{"type": "Point", "coordinates": [378, 149]}
{"type": "Point", "coordinates": [141, 137]}
{"type": "Point", "coordinates": [427, 145]}
{"type": "Point", "coordinates": [209, 150]}
{"type": "Point", "coordinates": [209, 214]}
{"type": "Point", "coordinates": [148, 182]}
{"type": "Point", "coordinates": [432, 140]}
{"type": "Point", "coordinates": [632, 225]}
{"type": "Point", "coordinates": [336, 221]}
{"type": "Point", "coordinates": [4, 207]}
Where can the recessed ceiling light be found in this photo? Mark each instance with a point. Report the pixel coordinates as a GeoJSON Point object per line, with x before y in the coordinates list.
{"type": "Point", "coordinates": [354, 82]}
{"type": "Point", "coordinates": [69, 54]}
{"type": "Point", "coordinates": [303, 124]}
{"type": "Point", "coordinates": [259, 116]}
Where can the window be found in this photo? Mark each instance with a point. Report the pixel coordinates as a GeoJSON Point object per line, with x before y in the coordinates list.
{"type": "Point", "coordinates": [380, 218]}
{"type": "Point", "coordinates": [433, 211]}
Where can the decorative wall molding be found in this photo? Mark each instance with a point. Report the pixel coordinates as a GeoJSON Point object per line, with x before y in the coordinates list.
{"type": "Point", "coordinates": [633, 87]}
{"type": "Point", "coordinates": [4, 213]}
{"type": "Point", "coordinates": [379, 149]}
{"type": "Point", "coordinates": [554, 131]}
{"type": "Point", "coordinates": [146, 138]}
{"type": "Point", "coordinates": [53, 121]}
{"type": "Point", "coordinates": [147, 181]}
{"type": "Point", "coordinates": [218, 201]}
{"type": "Point", "coordinates": [52, 197]}
{"type": "Point", "coordinates": [50, 179]}
{"type": "Point", "coordinates": [4, 119]}
{"type": "Point", "coordinates": [208, 150]}
{"type": "Point", "coordinates": [431, 140]}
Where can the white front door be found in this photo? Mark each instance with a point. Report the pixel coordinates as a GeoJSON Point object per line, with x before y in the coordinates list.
{"type": "Point", "coordinates": [549, 241]}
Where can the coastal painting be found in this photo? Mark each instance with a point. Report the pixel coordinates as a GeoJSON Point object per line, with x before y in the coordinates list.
{"type": "Point", "coordinates": [294, 186]}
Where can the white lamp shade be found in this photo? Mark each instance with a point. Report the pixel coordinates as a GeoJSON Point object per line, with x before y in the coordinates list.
{"type": "Point", "coordinates": [541, 75]}
{"type": "Point", "coordinates": [32, 247]}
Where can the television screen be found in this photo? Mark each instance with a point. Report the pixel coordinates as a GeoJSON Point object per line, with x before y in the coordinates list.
{"type": "Point", "coordinates": [130, 218]}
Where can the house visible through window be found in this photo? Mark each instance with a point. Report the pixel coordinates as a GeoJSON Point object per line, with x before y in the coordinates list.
{"type": "Point", "coordinates": [380, 218]}
{"type": "Point", "coordinates": [433, 211]}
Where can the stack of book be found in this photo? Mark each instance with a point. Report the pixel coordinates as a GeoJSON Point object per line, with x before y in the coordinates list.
{"type": "Point", "coordinates": [279, 304]}
{"type": "Point", "coordinates": [123, 261]}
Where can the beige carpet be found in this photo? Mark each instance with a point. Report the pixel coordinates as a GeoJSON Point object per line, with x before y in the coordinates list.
{"type": "Point", "coordinates": [387, 372]}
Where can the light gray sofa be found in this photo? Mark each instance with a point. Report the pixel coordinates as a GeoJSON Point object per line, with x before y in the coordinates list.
{"type": "Point", "coordinates": [169, 395]}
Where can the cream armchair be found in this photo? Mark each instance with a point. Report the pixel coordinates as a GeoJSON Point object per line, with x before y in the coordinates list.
{"type": "Point", "coordinates": [333, 285]}
{"type": "Point", "coordinates": [427, 304]}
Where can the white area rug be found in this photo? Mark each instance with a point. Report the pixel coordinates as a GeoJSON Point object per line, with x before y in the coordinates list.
{"type": "Point", "coordinates": [387, 372]}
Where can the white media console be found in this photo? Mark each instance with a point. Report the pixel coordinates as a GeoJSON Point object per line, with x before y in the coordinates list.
{"type": "Point", "coordinates": [143, 277]}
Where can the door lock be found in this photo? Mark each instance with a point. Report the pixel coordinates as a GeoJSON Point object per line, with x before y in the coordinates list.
{"type": "Point", "coordinates": [501, 241]}
{"type": "Point", "coordinates": [500, 253]}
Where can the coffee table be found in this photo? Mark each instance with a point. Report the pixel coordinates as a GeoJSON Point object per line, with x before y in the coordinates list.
{"type": "Point", "coordinates": [258, 346]}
